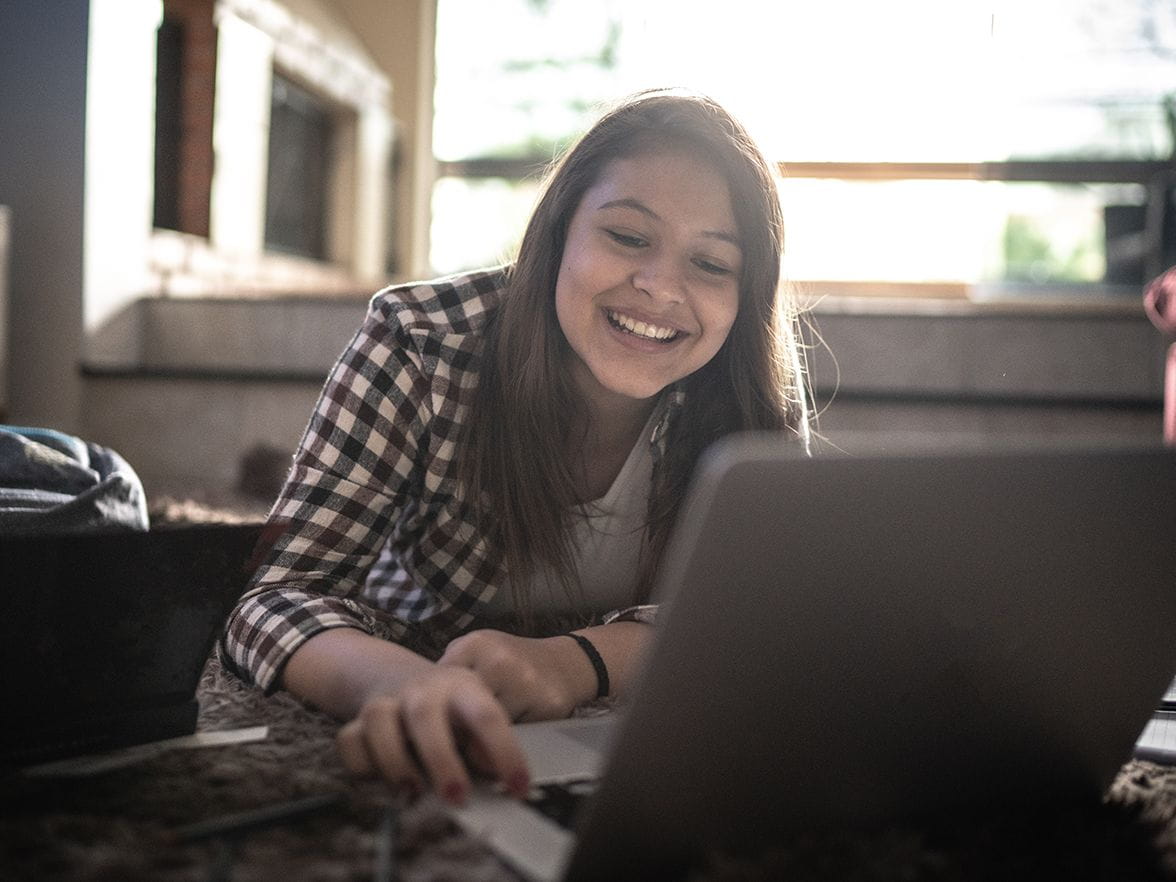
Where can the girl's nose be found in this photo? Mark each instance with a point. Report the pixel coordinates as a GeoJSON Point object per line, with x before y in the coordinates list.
{"type": "Point", "coordinates": [660, 278]}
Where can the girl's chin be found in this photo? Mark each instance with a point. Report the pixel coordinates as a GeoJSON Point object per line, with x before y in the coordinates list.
{"type": "Point", "coordinates": [634, 388]}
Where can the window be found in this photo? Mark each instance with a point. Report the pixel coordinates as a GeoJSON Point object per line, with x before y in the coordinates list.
{"type": "Point", "coordinates": [185, 75]}
{"type": "Point", "coordinates": [299, 167]}
{"type": "Point", "coordinates": [958, 148]}
{"type": "Point", "coordinates": [168, 122]}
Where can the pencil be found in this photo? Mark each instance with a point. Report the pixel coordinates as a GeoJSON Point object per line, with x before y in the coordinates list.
{"type": "Point", "coordinates": [241, 822]}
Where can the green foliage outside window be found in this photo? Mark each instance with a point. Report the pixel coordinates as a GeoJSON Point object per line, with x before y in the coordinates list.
{"type": "Point", "coordinates": [1029, 255]}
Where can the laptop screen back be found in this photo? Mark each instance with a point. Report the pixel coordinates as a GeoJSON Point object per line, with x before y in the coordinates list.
{"type": "Point", "coordinates": [859, 639]}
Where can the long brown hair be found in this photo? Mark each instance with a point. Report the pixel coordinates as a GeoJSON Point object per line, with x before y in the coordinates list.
{"type": "Point", "coordinates": [513, 460]}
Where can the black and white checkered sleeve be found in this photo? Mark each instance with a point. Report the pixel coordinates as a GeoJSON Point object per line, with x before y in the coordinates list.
{"type": "Point", "coordinates": [355, 468]}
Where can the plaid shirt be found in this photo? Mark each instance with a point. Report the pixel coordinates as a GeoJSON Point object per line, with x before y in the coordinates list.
{"type": "Point", "coordinates": [377, 537]}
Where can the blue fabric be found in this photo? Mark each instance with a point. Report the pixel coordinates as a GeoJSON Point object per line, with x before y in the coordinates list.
{"type": "Point", "coordinates": [51, 482]}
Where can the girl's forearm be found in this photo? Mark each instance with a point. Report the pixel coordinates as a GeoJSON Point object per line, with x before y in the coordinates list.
{"type": "Point", "coordinates": [621, 646]}
{"type": "Point", "coordinates": [339, 669]}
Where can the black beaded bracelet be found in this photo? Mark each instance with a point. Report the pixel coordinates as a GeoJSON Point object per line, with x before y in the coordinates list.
{"type": "Point", "coordinates": [602, 685]}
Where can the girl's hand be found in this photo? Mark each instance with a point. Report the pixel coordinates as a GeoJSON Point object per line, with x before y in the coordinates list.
{"type": "Point", "coordinates": [417, 738]}
{"type": "Point", "coordinates": [534, 679]}
{"type": "Point", "coordinates": [422, 725]}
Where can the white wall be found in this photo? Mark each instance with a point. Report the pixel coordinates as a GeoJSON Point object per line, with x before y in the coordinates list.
{"type": "Point", "coordinates": [240, 135]}
{"type": "Point", "coordinates": [120, 153]}
{"type": "Point", "coordinates": [42, 160]}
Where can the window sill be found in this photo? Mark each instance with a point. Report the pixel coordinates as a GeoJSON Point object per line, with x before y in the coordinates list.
{"type": "Point", "coordinates": [962, 299]}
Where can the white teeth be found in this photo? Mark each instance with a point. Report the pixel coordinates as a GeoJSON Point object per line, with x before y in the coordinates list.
{"type": "Point", "coordinates": [641, 329]}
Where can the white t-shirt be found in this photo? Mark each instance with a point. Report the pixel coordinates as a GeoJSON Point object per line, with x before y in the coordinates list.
{"type": "Point", "coordinates": [606, 539]}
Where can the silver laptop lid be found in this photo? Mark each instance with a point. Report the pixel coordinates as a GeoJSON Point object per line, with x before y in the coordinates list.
{"type": "Point", "coordinates": [854, 640]}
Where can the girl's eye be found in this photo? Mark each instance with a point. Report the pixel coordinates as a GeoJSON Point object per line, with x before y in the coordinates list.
{"type": "Point", "coordinates": [626, 240]}
{"type": "Point", "coordinates": [712, 268]}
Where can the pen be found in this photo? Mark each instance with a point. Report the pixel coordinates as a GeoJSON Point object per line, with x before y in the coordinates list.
{"type": "Point", "coordinates": [241, 822]}
{"type": "Point", "coordinates": [385, 864]}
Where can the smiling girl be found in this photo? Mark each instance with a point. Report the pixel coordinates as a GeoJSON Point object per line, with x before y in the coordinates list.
{"type": "Point", "coordinates": [479, 505]}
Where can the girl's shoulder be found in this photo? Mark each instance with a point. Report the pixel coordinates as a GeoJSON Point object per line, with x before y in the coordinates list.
{"type": "Point", "coordinates": [457, 304]}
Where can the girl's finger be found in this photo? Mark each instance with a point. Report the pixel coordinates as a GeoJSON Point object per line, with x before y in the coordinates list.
{"type": "Point", "coordinates": [492, 740]}
{"type": "Point", "coordinates": [427, 725]}
{"type": "Point", "coordinates": [382, 741]}
{"type": "Point", "coordinates": [353, 751]}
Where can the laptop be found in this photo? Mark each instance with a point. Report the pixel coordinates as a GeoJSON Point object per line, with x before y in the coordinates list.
{"type": "Point", "coordinates": [104, 636]}
{"type": "Point", "coordinates": [852, 641]}
{"type": "Point", "coordinates": [1157, 742]}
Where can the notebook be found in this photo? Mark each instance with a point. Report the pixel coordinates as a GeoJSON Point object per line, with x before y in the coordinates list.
{"type": "Point", "coordinates": [856, 640]}
{"type": "Point", "coordinates": [104, 637]}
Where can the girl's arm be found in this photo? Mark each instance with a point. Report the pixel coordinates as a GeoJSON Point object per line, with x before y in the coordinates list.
{"type": "Point", "coordinates": [419, 725]}
{"type": "Point", "coordinates": [547, 678]}
{"type": "Point", "coordinates": [410, 720]}
{"type": "Point", "coordinates": [351, 478]}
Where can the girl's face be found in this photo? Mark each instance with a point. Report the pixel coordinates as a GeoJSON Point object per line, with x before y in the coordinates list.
{"type": "Point", "coordinates": [648, 286]}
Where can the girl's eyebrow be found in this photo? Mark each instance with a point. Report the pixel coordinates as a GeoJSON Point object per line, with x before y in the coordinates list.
{"type": "Point", "coordinates": [637, 205]}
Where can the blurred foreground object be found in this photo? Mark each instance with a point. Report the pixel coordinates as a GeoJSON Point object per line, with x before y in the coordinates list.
{"type": "Point", "coordinates": [1159, 299]}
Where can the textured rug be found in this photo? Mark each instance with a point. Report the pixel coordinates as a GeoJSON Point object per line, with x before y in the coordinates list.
{"type": "Point", "coordinates": [122, 824]}
{"type": "Point", "coordinates": [129, 823]}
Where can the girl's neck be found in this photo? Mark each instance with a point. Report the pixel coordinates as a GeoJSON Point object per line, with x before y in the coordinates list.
{"type": "Point", "coordinates": [607, 418]}
{"type": "Point", "coordinates": [604, 433]}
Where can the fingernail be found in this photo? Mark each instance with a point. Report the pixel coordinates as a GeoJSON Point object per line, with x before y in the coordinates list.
{"type": "Point", "coordinates": [519, 784]}
{"type": "Point", "coordinates": [454, 792]}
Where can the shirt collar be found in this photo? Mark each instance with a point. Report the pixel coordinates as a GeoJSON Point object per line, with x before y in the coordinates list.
{"type": "Point", "coordinates": [671, 402]}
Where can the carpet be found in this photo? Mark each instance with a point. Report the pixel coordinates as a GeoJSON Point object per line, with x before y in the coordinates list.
{"type": "Point", "coordinates": [127, 824]}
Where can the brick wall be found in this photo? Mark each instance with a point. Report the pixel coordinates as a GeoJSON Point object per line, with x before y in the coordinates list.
{"type": "Point", "coordinates": [197, 97]}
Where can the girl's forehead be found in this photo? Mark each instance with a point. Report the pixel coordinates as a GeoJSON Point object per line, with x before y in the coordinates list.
{"type": "Point", "coordinates": [664, 159]}
{"type": "Point", "coordinates": [659, 182]}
